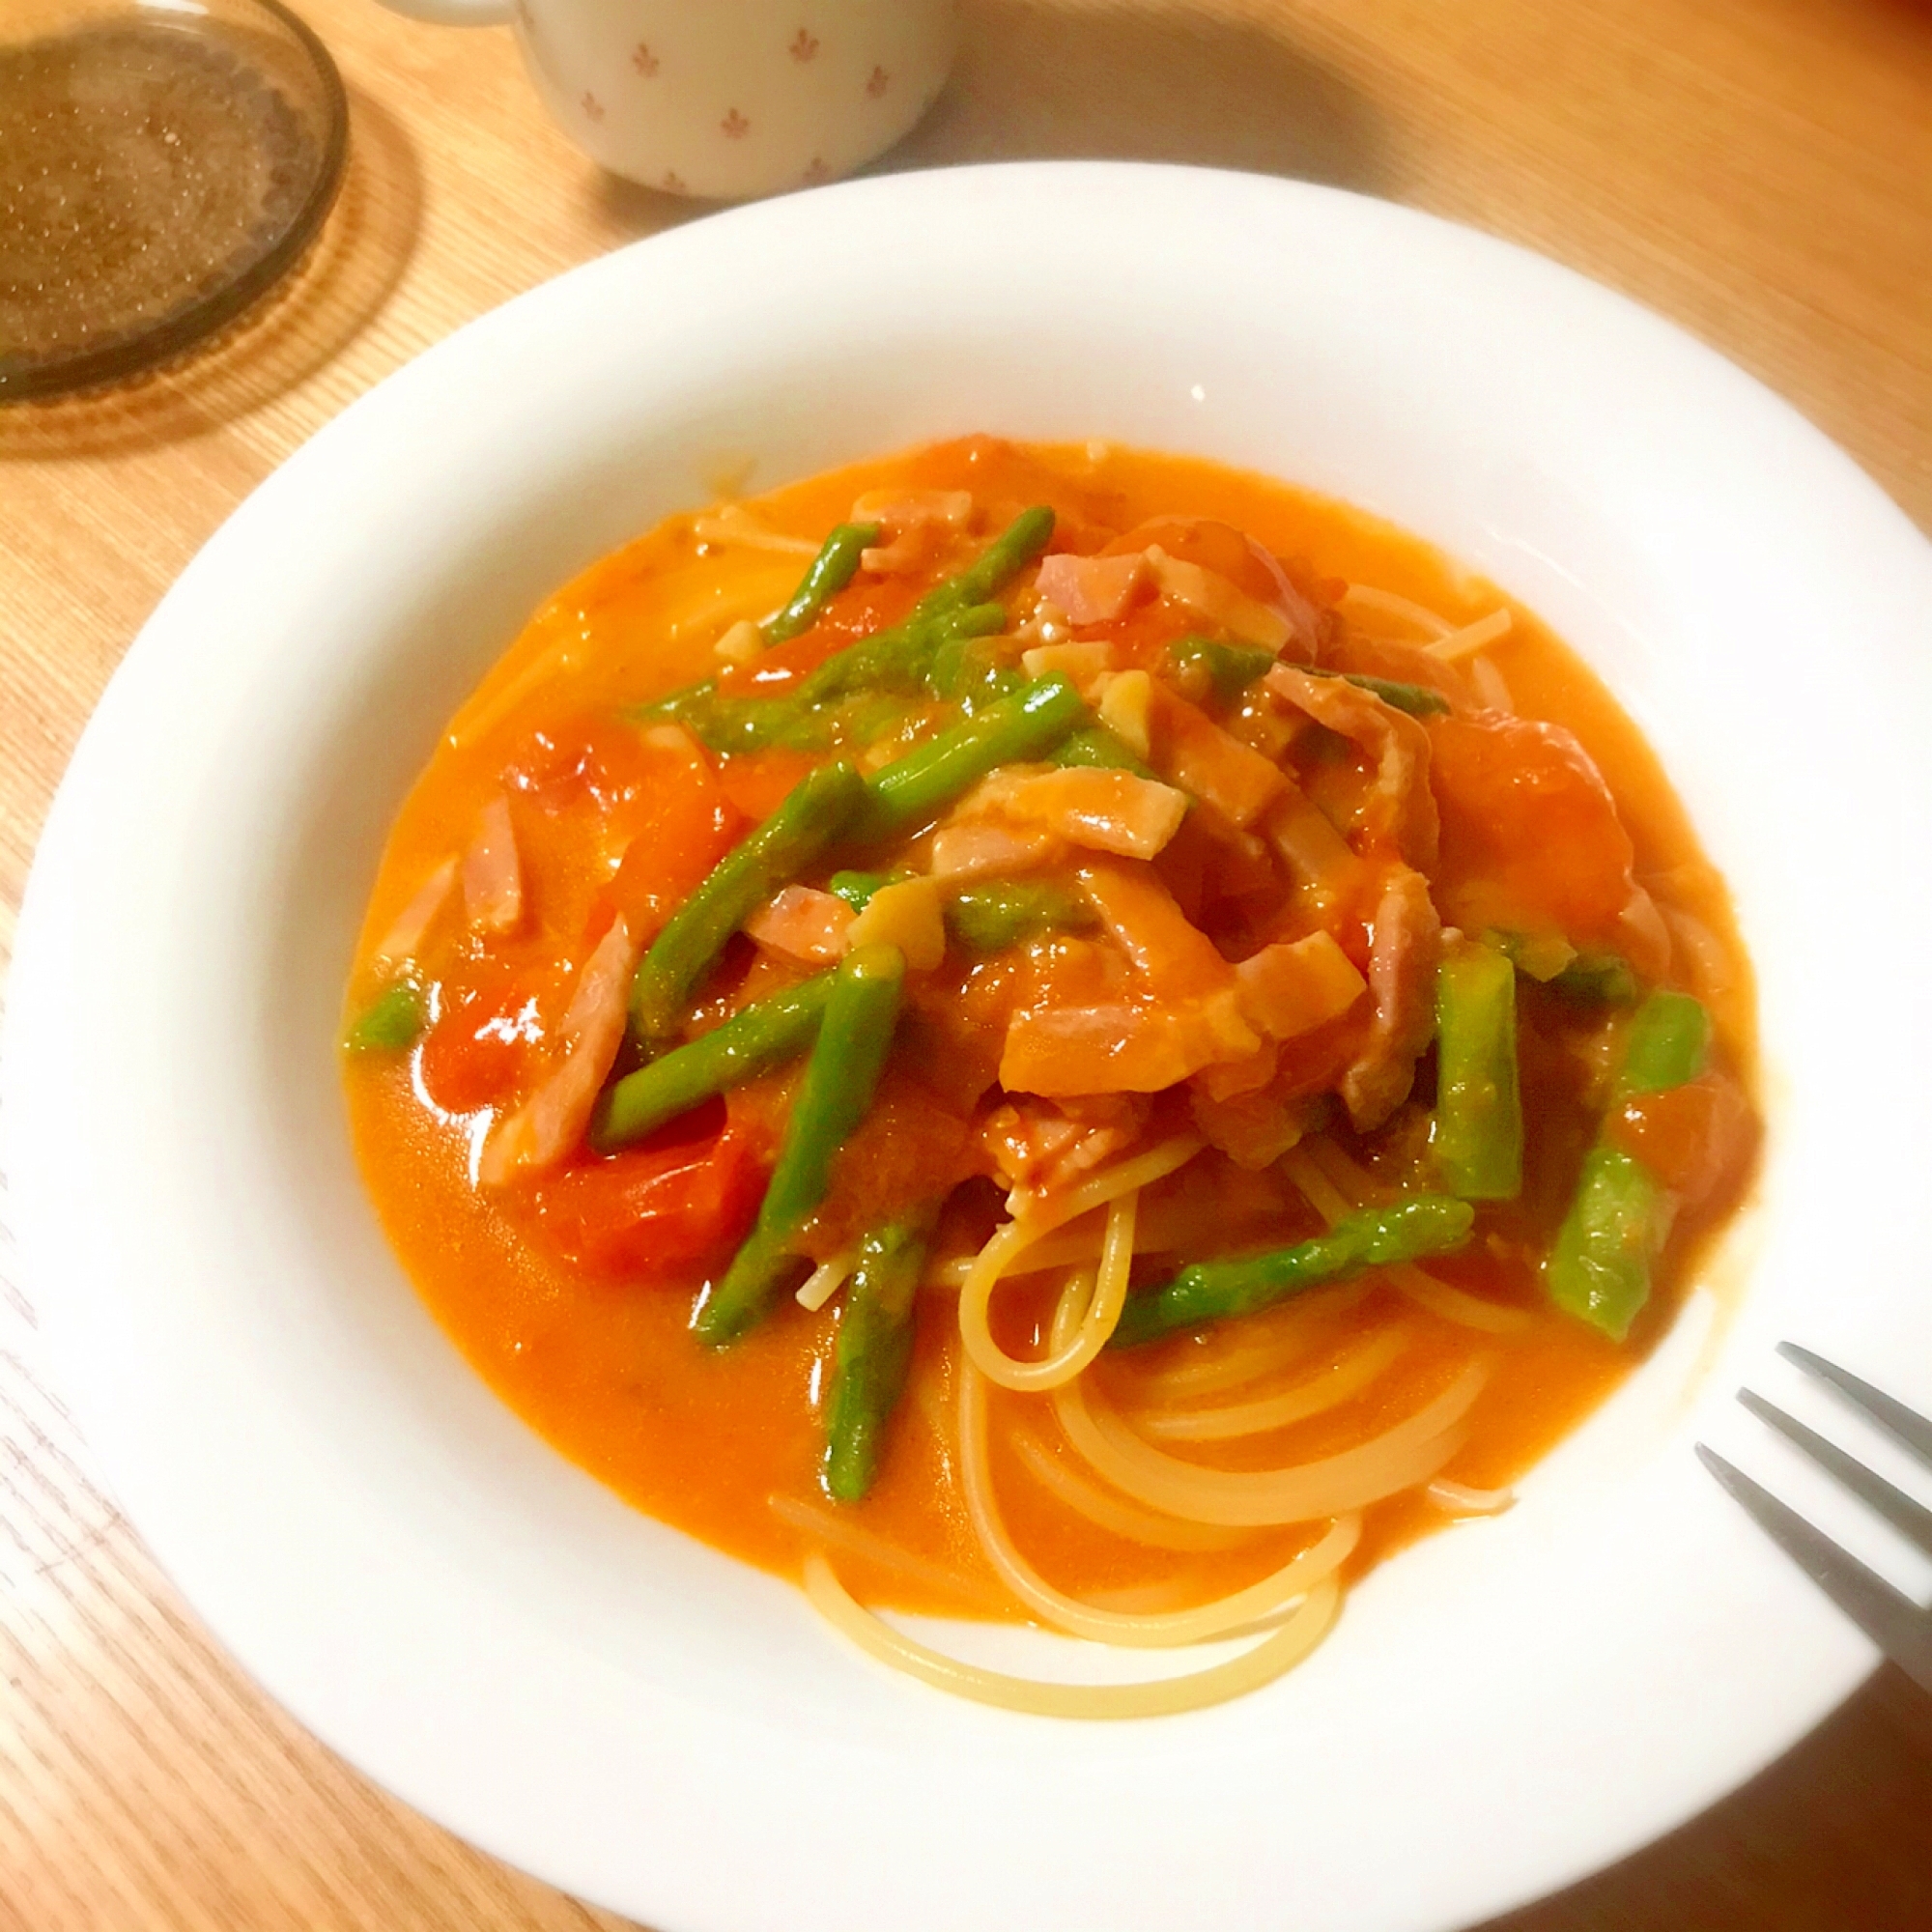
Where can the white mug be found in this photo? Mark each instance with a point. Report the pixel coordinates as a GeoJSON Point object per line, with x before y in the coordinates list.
{"type": "Point", "coordinates": [726, 99]}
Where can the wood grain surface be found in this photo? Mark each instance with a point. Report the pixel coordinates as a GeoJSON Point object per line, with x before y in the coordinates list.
{"type": "Point", "coordinates": [1758, 170]}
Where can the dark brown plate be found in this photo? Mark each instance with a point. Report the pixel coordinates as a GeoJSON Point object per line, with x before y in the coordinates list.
{"type": "Point", "coordinates": [162, 167]}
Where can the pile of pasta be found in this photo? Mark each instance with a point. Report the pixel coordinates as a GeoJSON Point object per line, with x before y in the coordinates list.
{"type": "Point", "coordinates": [1183, 980]}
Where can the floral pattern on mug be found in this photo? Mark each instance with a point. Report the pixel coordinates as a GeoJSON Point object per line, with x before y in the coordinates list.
{"type": "Point", "coordinates": [734, 98]}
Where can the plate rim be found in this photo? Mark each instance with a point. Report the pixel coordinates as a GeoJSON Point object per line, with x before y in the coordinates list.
{"type": "Point", "coordinates": [416, 380]}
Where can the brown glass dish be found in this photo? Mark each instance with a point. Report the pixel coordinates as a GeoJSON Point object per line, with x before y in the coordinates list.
{"type": "Point", "coordinates": [162, 167]}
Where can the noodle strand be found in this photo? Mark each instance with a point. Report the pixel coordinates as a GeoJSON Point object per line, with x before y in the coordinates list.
{"type": "Point", "coordinates": [1112, 1511]}
{"type": "Point", "coordinates": [1399, 1458]}
{"type": "Point", "coordinates": [1471, 637]}
{"type": "Point", "coordinates": [1321, 1194]}
{"type": "Point", "coordinates": [1259, 1602]}
{"type": "Point", "coordinates": [1102, 1307]}
{"type": "Point", "coordinates": [1455, 1304]}
{"type": "Point", "coordinates": [1365, 597]}
{"type": "Point", "coordinates": [830, 1527]}
{"type": "Point", "coordinates": [1292, 1332]}
{"type": "Point", "coordinates": [1156, 1697]}
{"type": "Point", "coordinates": [1343, 1379]}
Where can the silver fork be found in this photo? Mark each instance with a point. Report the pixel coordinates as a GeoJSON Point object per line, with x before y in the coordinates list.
{"type": "Point", "coordinates": [1900, 1628]}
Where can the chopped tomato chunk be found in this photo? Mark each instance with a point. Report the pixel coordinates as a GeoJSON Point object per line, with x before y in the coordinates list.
{"type": "Point", "coordinates": [1527, 814]}
{"type": "Point", "coordinates": [489, 1025]}
{"type": "Point", "coordinates": [759, 782]}
{"type": "Point", "coordinates": [654, 1210]}
{"type": "Point", "coordinates": [1692, 1137]}
{"type": "Point", "coordinates": [680, 826]}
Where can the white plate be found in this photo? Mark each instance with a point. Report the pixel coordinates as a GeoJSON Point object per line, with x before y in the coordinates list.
{"type": "Point", "coordinates": [486, 1631]}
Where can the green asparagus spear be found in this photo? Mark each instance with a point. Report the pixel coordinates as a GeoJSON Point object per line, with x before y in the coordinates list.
{"type": "Point", "coordinates": [1424, 1224]}
{"type": "Point", "coordinates": [758, 1036]}
{"type": "Point", "coordinates": [1619, 1218]}
{"type": "Point", "coordinates": [914, 788]}
{"type": "Point", "coordinates": [1668, 1043]}
{"type": "Point", "coordinates": [832, 570]}
{"type": "Point", "coordinates": [1618, 1222]}
{"type": "Point", "coordinates": [1209, 671]}
{"type": "Point", "coordinates": [872, 1355]}
{"type": "Point", "coordinates": [1587, 979]}
{"type": "Point", "coordinates": [1417, 700]}
{"type": "Point", "coordinates": [994, 568]}
{"type": "Point", "coordinates": [856, 889]}
{"type": "Point", "coordinates": [739, 724]}
{"type": "Point", "coordinates": [390, 1022]}
{"type": "Point", "coordinates": [1596, 979]}
{"type": "Point", "coordinates": [961, 605]}
{"type": "Point", "coordinates": [989, 918]}
{"type": "Point", "coordinates": [967, 671]}
{"type": "Point", "coordinates": [854, 1037]}
{"type": "Point", "coordinates": [900, 658]}
{"type": "Point", "coordinates": [1478, 1140]}
{"type": "Point", "coordinates": [818, 809]}
{"type": "Point", "coordinates": [1095, 745]}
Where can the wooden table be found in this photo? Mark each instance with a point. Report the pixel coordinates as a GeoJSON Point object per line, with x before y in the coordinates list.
{"type": "Point", "coordinates": [1760, 170]}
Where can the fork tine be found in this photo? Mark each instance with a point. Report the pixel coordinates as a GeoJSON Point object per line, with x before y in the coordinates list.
{"type": "Point", "coordinates": [1891, 1415]}
{"type": "Point", "coordinates": [1893, 1621]}
{"type": "Point", "coordinates": [1901, 1511]}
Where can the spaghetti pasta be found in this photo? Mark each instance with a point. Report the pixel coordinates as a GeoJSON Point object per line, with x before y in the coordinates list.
{"type": "Point", "coordinates": [1155, 1697]}
{"type": "Point", "coordinates": [1112, 1511]}
{"type": "Point", "coordinates": [1077, 1033]}
{"type": "Point", "coordinates": [1453, 1304]}
{"type": "Point", "coordinates": [1099, 1295]}
{"type": "Point", "coordinates": [1400, 1457]}
{"type": "Point", "coordinates": [1471, 638]}
{"type": "Point", "coordinates": [1385, 602]}
{"type": "Point", "coordinates": [1346, 1377]}
{"type": "Point", "coordinates": [1259, 1604]}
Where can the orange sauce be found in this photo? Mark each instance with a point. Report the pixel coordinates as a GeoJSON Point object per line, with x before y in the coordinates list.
{"type": "Point", "coordinates": [608, 1372]}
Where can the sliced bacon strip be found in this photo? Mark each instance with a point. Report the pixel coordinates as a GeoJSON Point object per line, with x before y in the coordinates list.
{"type": "Point", "coordinates": [1192, 1020]}
{"type": "Point", "coordinates": [1088, 806]}
{"type": "Point", "coordinates": [1400, 809]}
{"type": "Point", "coordinates": [989, 851]}
{"type": "Point", "coordinates": [1406, 943]}
{"type": "Point", "coordinates": [1316, 855]}
{"type": "Point", "coordinates": [553, 1120]}
{"type": "Point", "coordinates": [1171, 955]}
{"type": "Point", "coordinates": [411, 927]}
{"type": "Point", "coordinates": [1291, 988]}
{"type": "Point", "coordinates": [1254, 1129]}
{"type": "Point", "coordinates": [1186, 746]}
{"type": "Point", "coordinates": [1123, 1046]}
{"type": "Point", "coordinates": [492, 877]}
{"type": "Point", "coordinates": [913, 521]}
{"type": "Point", "coordinates": [1039, 1148]}
{"type": "Point", "coordinates": [1219, 600]}
{"type": "Point", "coordinates": [803, 923]}
{"type": "Point", "coordinates": [1091, 589]}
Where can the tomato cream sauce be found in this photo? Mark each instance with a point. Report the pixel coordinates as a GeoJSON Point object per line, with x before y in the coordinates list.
{"type": "Point", "coordinates": [607, 1370]}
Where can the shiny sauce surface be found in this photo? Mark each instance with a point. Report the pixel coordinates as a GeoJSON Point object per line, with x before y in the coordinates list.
{"type": "Point", "coordinates": [605, 1368]}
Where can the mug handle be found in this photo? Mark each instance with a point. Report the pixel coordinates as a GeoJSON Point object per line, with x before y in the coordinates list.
{"type": "Point", "coordinates": [457, 13]}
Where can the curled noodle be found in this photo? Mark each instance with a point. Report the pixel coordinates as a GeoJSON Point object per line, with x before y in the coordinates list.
{"type": "Point", "coordinates": [1117, 1188]}
{"type": "Point", "coordinates": [1155, 1697]}
{"type": "Point", "coordinates": [1259, 1602]}
{"type": "Point", "coordinates": [1400, 1457]}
